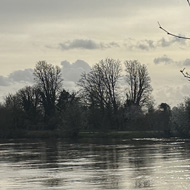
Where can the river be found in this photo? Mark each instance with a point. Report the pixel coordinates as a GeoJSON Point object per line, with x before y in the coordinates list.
{"type": "Point", "coordinates": [95, 164]}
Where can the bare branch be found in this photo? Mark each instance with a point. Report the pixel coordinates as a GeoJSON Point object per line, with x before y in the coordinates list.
{"type": "Point", "coordinates": [185, 74]}
{"type": "Point", "coordinates": [188, 2]}
{"type": "Point", "coordinates": [171, 34]}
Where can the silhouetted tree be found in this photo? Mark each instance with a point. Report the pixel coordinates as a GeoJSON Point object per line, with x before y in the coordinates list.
{"type": "Point", "coordinates": [181, 119]}
{"type": "Point", "coordinates": [29, 100]}
{"type": "Point", "coordinates": [16, 113]}
{"type": "Point", "coordinates": [65, 99]}
{"type": "Point", "coordinates": [165, 116]}
{"type": "Point", "coordinates": [49, 81]}
{"type": "Point", "coordinates": [138, 80]}
{"type": "Point", "coordinates": [70, 113]}
{"type": "Point", "coordinates": [99, 87]}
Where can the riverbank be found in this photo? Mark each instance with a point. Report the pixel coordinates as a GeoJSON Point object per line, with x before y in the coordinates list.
{"type": "Point", "coordinates": [84, 134]}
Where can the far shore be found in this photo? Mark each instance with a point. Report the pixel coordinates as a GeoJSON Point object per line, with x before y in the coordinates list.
{"type": "Point", "coordinates": [85, 134]}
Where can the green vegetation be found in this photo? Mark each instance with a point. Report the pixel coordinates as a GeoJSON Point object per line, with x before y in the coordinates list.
{"type": "Point", "coordinates": [101, 108]}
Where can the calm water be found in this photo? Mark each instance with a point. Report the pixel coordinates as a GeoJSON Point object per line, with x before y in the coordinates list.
{"type": "Point", "coordinates": [95, 164]}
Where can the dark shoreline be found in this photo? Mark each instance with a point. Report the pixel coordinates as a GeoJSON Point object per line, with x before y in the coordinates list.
{"type": "Point", "coordinates": [84, 134]}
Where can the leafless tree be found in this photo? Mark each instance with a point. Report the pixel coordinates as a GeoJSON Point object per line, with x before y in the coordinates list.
{"type": "Point", "coordinates": [138, 80]}
{"type": "Point", "coordinates": [100, 85]}
{"type": "Point", "coordinates": [49, 81]}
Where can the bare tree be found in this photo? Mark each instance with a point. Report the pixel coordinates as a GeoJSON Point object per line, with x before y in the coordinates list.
{"type": "Point", "coordinates": [100, 85]}
{"type": "Point", "coordinates": [138, 80]}
{"type": "Point", "coordinates": [49, 81]}
{"type": "Point", "coordinates": [111, 72]}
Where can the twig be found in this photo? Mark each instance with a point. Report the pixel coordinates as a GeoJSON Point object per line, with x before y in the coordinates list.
{"type": "Point", "coordinates": [174, 35]}
{"type": "Point", "coordinates": [186, 74]}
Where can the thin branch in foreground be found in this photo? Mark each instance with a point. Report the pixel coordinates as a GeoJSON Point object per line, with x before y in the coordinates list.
{"type": "Point", "coordinates": [188, 2]}
{"type": "Point", "coordinates": [174, 35]}
{"type": "Point", "coordinates": [185, 74]}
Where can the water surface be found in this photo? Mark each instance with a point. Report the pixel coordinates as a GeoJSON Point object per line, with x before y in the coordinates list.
{"type": "Point", "coordinates": [155, 164]}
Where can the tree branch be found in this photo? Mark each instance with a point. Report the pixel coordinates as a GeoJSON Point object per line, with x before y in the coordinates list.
{"type": "Point", "coordinates": [188, 2]}
{"type": "Point", "coordinates": [185, 74]}
{"type": "Point", "coordinates": [171, 34]}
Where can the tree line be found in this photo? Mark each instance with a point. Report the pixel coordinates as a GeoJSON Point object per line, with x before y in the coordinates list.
{"type": "Point", "coordinates": [102, 104]}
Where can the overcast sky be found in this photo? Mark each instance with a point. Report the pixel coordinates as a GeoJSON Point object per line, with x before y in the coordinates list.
{"type": "Point", "coordinates": [76, 34]}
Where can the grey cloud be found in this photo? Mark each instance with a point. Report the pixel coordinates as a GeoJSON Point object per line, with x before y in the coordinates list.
{"type": "Point", "coordinates": [142, 45]}
{"type": "Point", "coordinates": [165, 43]}
{"type": "Point", "coordinates": [86, 44]}
{"type": "Point", "coordinates": [16, 80]}
{"type": "Point", "coordinates": [167, 60]}
{"type": "Point", "coordinates": [110, 45]}
{"type": "Point", "coordinates": [22, 75]}
{"type": "Point", "coordinates": [164, 59]}
{"type": "Point", "coordinates": [147, 45]}
{"type": "Point", "coordinates": [72, 72]}
{"type": "Point", "coordinates": [80, 44]}
{"type": "Point", "coordinates": [81, 64]}
{"type": "Point", "coordinates": [70, 86]}
{"type": "Point", "coordinates": [17, 77]}
{"type": "Point", "coordinates": [4, 81]}
{"type": "Point", "coordinates": [186, 62]}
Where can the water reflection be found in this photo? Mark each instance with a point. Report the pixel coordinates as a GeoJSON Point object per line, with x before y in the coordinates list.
{"type": "Point", "coordinates": [94, 164]}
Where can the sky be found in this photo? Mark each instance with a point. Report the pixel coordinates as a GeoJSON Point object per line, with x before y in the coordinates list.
{"type": "Point", "coordinates": [76, 34]}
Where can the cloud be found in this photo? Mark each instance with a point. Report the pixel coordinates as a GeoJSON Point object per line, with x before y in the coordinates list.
{"type": "Point", "coordinates": [19, 76]}
{"type": "Point", "coordinates": [86, 44]}
{"type": "Point", "coordinates": [141, 45]}
{"type": "Point", "coordinates": [80, 44]}
{"type": "Point", "coordinates": [167, 60]}
{"type": "Point", "coordinates": [72, 72]}
{"type": "Point", "coordinates": [147, 45]}
{"type": "Point", "coordinates": [186, 62]}
{"type": "Point", "coordinates": [173, 95]}
{"type": "Point", "coordinates": [164, 59]}
{"type": "Point", "coordinates": [131, 44]}
{"type": "Point", "coordinates": [4, 81]}
{"type": "Point", "coordinates": [22, 75]}
{"type": "Point", "coordinates": [170, 41]}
